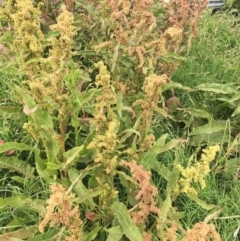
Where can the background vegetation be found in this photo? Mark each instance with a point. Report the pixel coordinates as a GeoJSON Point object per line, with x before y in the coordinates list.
{"type": "Point", "coordinates": [119, 121]}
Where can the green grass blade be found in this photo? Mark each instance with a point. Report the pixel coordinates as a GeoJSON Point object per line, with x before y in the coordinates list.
{"type": "Point", "coordinates": [201, 203]}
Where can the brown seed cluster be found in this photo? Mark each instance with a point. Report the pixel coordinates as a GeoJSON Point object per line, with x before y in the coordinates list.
{"type": "Point", "coordinates": [61, 211]}
{"type": "Point", "coordinates": [146, 194]}
{"type": "Point", "coordinates": [202, 232]}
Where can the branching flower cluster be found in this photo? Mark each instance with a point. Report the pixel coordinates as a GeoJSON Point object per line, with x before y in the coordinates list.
{"type": "Point", "coordinates": [105, 122]}
{"type": "Point", "coordinates": [146, 194]}
{"type": "Point", "coordinates": [61, 211]}
{"type": "Point", "coordinates": [152, 88]}
{"type": "Point", "coordinates": [197, 172]}
{"type": "Point", "coordinates": [202, 232]}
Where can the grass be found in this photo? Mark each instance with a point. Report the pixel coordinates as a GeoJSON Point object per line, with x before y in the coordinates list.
{"type": "Point", "coordinates": [214, 54]}
{"type": "Point", "coordinates": [213, 58]}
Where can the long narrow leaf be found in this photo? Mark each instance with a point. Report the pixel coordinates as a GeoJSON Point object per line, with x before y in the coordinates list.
{"type": "Point", "coordinates": [23, 233]}
{"type": "Point", "coordinates": [168, 146]}
{"type": "Point", "coordinates": [16, 146]}
{"type": "Point", "coordinates": [22, 202]}
{"type": "Point", "coordinates": [13, 164]}
{"type": "Point", "coordinates": [11, 112]}
{"type": "Point", "coordinates": [208, 129]}
{"type": "Point", "coordinates": [86, 5]}
{"type": "Point", "coordinates": [217, 88]}
{"type": "Point", "coordinates": [125, 221]}
{"type": "Point", "coordinates": [201, 203]}
{"type": "Point", "coordinates": [92, 235]}
{"type": "Point", "coordinates": [72, 154]}
{"type": "Point", "coordinates": [80, 189]}
{"type": "Point", "coordinates": [49, 235]}
{"type": "Point", "coordinates": [237, 111]}
{"type": "Point", "coordinates": [115, 233]}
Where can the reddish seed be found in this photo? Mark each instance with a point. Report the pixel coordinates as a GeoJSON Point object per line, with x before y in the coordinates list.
{"type": "Point", "coordinates": [91, 216]}
{"type": "Point", "coordinates": [9, 152]}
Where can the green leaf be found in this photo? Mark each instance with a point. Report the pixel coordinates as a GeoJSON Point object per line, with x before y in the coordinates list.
{"type": "Point", "coordinates": [174, 56]}
{"type": "Point", "coordinates": [89, 194]}
{"type": "Point", "coordinates": [86, 52]}
{"type": "Point", "coordinates": [162, 170]}
{"type": "Point", "coordinates": [148, 160]}
{"type": "Point", "coordinates": [127, 61]}
{"type": "Point", "coordinates": [6, 36]}
{"type": "Point", "coordinates": [211, 139]}
{"type": "Point", "coordinates": [92, 235]}
{"type": "Point", "coordinates": [233, 99]}
{"type": "Point", "coordinates": [44, 119]}
{"type": "Point", "coordinates": [236, 111]}
{"type": "Point", "coordinates": [52, 149]}
{"type": "Point", "coordinates": [86, 97]}
{"type": "Point", "coordinates": [72, 155]}
{"type": "Point", "coordinates": [161, 140]}
{"type": "Point", "coordinates": [15, 202]}
{"type": "Point", "coordinates": [199, 113]}
{"type": "Point", "coordinates": [209, 129]}
{"type": "Point", "coordinates": [129, 132]}
{"type": "Point", "coordinates": [167, 204]}
{"type": "Point", "coordinates": [115, 57]}
{"type": "Point", "coordinates": [84, 77]}
{"type": "Point", "coordinates": [125, 177]}
{"type": "Point", "coordinates": [23, 202]}
{"type": "Point", "coordinates": [13, 164]}
{"type": "Point", "coordinates": [10, 69]}
{"type": "Point", "coordinates": [86, 5]}
{"type": "Point", "coordinates": [25, 96]}
{"type": "Point", "coordinates": [11, 239]}
{"type": "Point", "coordinates": [41, 169]}
{"type": "Point", "coordinates": [201, 203]}
{"type": "Point", "coordinates": [232, 165]}
{"type": "Point", "coordinates": [114, 233]}
{"type": "Point", "coordinates": [11, 112]}
{"type": "Point", "coordinates": [53, 166]}
{"type": "Point", "coordinates": [49, 235]}
{"type": "Point", "coordinates": [80, 189]}
{"type": "Point", "coordinates": [22, 233]}
{"type": "Point", "coordinates": [28, 183]}
{"type": "Point", "coordinates": [173, 85]}
{"type": "Point", "coordinates": [125, 221]}
{"type": "Point", "coordinates": [51, 34]}
{"type": "Point", "coordinates": [217, 88]}
{"type": "Point", "coordinates": [14, 145]}
{"type": "Point", "coordinates": [163, 112]}
{"type": "Point", "coordinates": [168, 146]}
